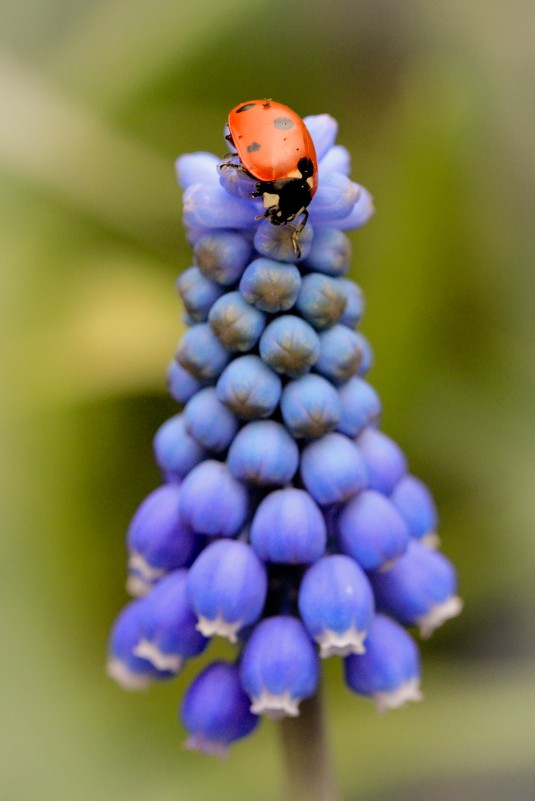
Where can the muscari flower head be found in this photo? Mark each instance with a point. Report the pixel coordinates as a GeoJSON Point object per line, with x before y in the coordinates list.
{"type": "Point", "coordinates": [287, 521]}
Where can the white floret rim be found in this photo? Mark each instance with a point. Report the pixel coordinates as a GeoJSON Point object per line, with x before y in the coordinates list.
{"type": "Point", "coordinates": [137, 587]}
{"type": "Point", "coordinates": [145, 649]}
{"type": "Point", "coordinates": [431, 540]}
{"type": "Point", "coordinates": [126, 678]}
{"type": "Point", "coordinates": [219, 626]}
{"type": "Point", "coordinates": [438, 614]}
{"type": "Point", "coordinates": [274, 706]}
{"type": "Point", "coordinates": [147, 572]}
{"type": "Point", "coordinates": [393, 699]}
{"type": "Point", "coordinates": [199, 742]}
{"type": "Point", "coordinates": [333, 643]}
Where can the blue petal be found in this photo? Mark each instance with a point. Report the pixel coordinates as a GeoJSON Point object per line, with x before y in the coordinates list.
{"type": "Point", "coordinates": [335, 199]}
{"type": "Point", "coordinates": [227, 583]}
{"type": "Point", "coordinates": [196, 168]}
{"type": "Point", "coordinates": [175, 450]}
{"type": "Point", "coordinates": [222, 255]}
{"type": "Point", "coordinates": [209, 206]}
{"type": "Point", "coordinates": [215, 710]}
{"type": "Point", "coordinates": [372, 530]}
{"type": "Point", "coordinates": [263, 453]}
{"type": "Point", "coordinates": [332, 469]}
{"type": "Point", "coordinates": [209, 421]}
{"type": "Point", "coordinates": [279, 660]}
{"type": "Point", "coordinates": [360, 213]}
{"type": "Point", "coordinates": [212, 502]}
{"type": "Point", "coordinates": [249, 387]}
{"type": "Point", "coordinates": [337, 159]}
{"type": "Point", "coordinates": [288, 528]}
{"type": "Point", "coordinates": [323, 129]}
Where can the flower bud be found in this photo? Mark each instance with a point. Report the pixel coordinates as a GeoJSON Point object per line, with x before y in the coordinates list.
{"type": "Point", "coordinates": [212, 502]}
{"type": "Point", "coordinates": [130, 671]}
{"type": "Point", "coordinates": [227, 586]}
{"type": "Point", "coordinates": [209, 206]}
{"type": "Point", "coordinates": [175, 450]}
{"type": "Point", "coordinates": [335, 198]}
{"type": "Point", "coordinates": [182, 385]}
{"type": "Point", "coordinates": [337, 159]}
{"type": "Point", "coordinates": [195, 168]}
{"type": "Point", "coordinates": [332, 469]}
{"type": "Point", "coordinates": [157, 538]}
{"type": "Point", "coordinates": [209, 421]}
{"type": "Point", "coordinates": [389, 671]}
{"type": "Point", "coordinates": [279, 667]}
{"type": "Point", "coordinates": [336, 605]}
{"type": "Point", "coordinates": [289, 345]}
{"type": "Point", "coordinates": [269, 285]}
{"type": "Point", "coordinates": [198, 293]}
{"type": "Point", "coordinates": [330, 253]}
{"type": "Point", "coordinates": [235, 322]}
{"type": "Point", "coordinates": [340, 354]}
{"type": "Point", "coordinates": [323, 129]}
{"type": "Point", "coordinates": [321, 300]}
{"type": "Point", "coordinates": [168, 631]}
{"type": "Point", "coordinates": [288, 528]}
{"type": "Point", "coordinates": [360, 406]}
{"type": "Point", "coordinates": [222, 256]}
{"type": "Point", "coordinates": [310, 406]}
{"type": "Point", "coordinates": [416, 505]}
{"type": "Point", "coordinates": [215, 710]}
{"type": "Point", "coordinates": [263, 453]}
{"type": "Point", "coordinates": [419, 589]}
{"type": "Point", "coordinates": [200, 352]}
{"type": "Point", "coordinates": [371, 530]}
{"type": "Point", "coordinates": [249, 387]}
{"type": "Point", "coordinates": [385, 462]}
{"type": "Point", "coordinates": [361, 212]}
{"type": "Point", "coordinates": [276, 242]}
{"type": "Point", "coordinates": [354, 304]}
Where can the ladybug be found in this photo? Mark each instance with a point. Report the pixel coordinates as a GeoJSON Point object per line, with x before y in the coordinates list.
{"type": "Point", "coordinates": [276, 150]}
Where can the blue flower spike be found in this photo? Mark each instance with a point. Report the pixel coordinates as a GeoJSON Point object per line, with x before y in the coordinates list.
{"type": "Point", "coordinates": [288, 522]}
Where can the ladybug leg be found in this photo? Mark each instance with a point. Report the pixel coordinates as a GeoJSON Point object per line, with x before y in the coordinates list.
{"type": "Point", "coordinates": [295, 240]}
{"type": "Point", "coordinates": [296, 230]}
{"type": "Point", "coordinates": [226, 162]}
{"type": "Point", "coordinates": [303, 222]}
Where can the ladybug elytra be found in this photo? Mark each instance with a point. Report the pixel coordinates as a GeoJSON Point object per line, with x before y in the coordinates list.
{"type": "Point", "coordinates": [275, 148]}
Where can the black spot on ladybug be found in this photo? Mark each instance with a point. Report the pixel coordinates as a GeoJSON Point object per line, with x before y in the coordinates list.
{"type": "Point", "coordinates": [283, 123]}
{"type": "Point", "coordinates": [253, 147]}
{"type": "Point", "coordinates": [246, 107]}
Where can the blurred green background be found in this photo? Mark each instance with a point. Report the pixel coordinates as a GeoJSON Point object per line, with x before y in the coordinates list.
{"type": "Point", "coordinates": [435, 102]}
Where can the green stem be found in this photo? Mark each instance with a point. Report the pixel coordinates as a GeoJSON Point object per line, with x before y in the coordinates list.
{"type": "Point", "coordinates": [309, 774]}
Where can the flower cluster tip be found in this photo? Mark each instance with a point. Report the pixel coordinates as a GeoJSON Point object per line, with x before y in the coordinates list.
{"type": "Point", "coordinates": [286, 521]}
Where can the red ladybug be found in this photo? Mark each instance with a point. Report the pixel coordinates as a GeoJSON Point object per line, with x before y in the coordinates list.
{"type": "Point", "coordinates": [275, 148]}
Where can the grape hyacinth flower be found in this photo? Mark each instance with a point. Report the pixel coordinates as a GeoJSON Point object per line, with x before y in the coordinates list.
{"type": "Point", "coordinates": [287, 521]}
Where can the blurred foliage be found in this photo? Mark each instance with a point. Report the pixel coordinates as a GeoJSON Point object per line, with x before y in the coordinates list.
{"type": "Point", "coordinates": [435, 103]}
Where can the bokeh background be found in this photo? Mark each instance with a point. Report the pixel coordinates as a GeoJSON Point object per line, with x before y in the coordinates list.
{"type": "Point", "coordinates": [435, 102]}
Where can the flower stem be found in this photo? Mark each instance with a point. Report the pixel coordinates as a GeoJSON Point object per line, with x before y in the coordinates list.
{"type": "Point", "coordinates": [309, 775]}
